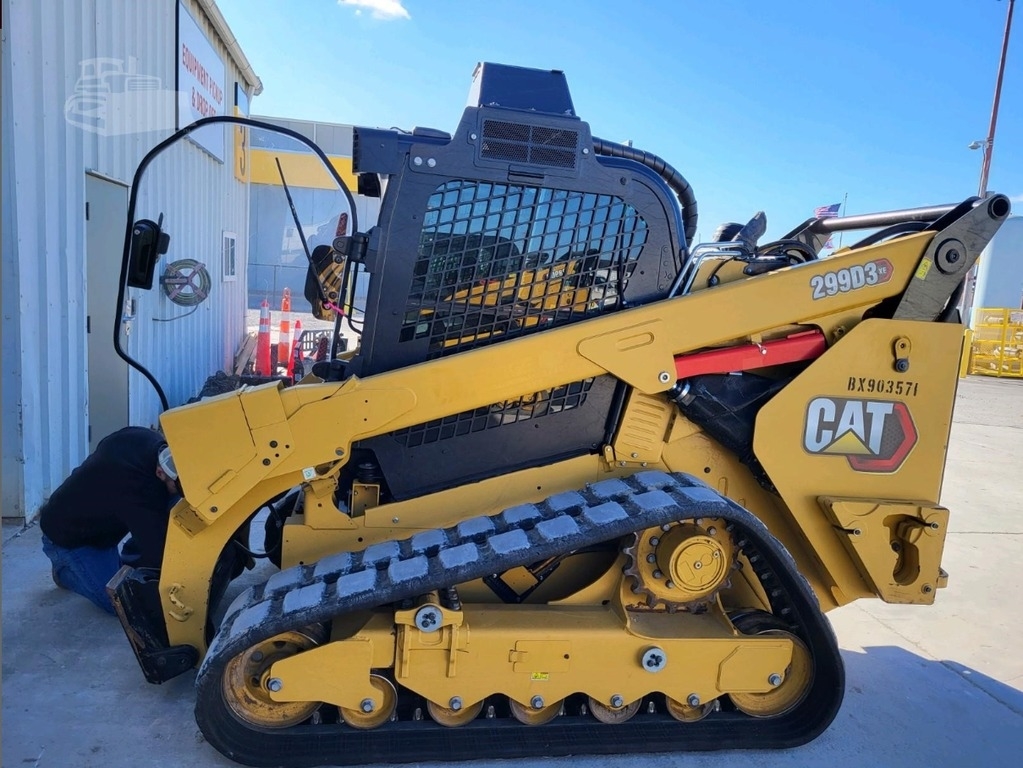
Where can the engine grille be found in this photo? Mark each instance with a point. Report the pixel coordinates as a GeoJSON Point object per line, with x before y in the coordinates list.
{"type": "Point", "coordinates": [536, 144]}
{"type": "Point", "coordinates": [502, 260]}
{"type": "Point", "coordinates": [532, 406]}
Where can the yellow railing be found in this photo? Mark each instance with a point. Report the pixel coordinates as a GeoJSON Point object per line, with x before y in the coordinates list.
{"type": "Point", "coordinates": [997, 346]}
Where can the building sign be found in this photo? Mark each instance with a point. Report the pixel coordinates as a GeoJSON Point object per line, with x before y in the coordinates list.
{"type": "Point", "coordinates": [201, 84]}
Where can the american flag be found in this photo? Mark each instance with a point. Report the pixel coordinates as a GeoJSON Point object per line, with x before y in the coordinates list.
{"type": "Point", "coordinates": [826, 211]}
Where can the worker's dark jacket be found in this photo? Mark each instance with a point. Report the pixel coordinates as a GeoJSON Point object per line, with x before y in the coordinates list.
{"type": "Point", "coordinates": [114, 492]}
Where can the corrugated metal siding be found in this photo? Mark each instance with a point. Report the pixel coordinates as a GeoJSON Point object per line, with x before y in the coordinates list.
{"type": "Point", "coordinates": [13, 478]}
{"type": "Point", "coordinates": [1000, 274]}
{"type": "Point", "coordinates": [335, 139]}
{"type": "Point", "coordinates": [369, 211]}
{"type": "Point", "coordinates": [141, 35]}
{"type": "Point", "coordinates": [200, 199]}
{"type": "Point", "coordinates": [46, 42]}
{"type": "Point", "coordinates": [49, 245]}
{"type": "Point", "coordinates": [332, 138]}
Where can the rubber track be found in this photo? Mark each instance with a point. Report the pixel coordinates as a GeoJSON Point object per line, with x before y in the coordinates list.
{"type": "Point", "coordinates": [395, 570]}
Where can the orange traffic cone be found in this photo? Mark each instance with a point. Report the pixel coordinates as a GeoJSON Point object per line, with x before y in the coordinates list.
{"type": "Point", "coordinates": [263, 341]}
{"type": "Point", "coordinates": [296, 349]}
{"type": "Point", "coordinates": [284, 337]}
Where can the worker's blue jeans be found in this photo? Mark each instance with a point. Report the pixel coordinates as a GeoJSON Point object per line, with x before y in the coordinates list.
{"type": "Point", "coordinates": [85, 570]}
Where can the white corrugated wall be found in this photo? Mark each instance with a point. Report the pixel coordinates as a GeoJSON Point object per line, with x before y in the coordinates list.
{"type": "Point", "coordinates": [45, 158]}
{"type": "Point", "coordinates": [1000, 274]}
{"type": "Point", "coordinates": [12, 483]}
{"type": "Point", "coordinates": [336, 140]}
{"type": "Point", "coordinates": [181, 347]}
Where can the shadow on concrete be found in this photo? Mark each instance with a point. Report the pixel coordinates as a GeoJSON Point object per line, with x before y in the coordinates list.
{"type": "Point", "coordinates": [903, 709]}
{"type": "Point", "coordinates": [1006, 694]}
{"type": "Point", "coordinates": [879, 662]}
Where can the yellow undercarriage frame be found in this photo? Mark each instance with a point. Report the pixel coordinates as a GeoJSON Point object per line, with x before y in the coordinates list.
{"type": "Point", "coordinates": [537, 656]}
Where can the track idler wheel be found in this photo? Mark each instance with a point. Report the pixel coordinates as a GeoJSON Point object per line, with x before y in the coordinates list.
{"type": "Point", "coordinates": [614, 715]}
{"type": "Point", "coordinates": [790, 689]}
{"type": "Point", "coordinates": [536, 714]}
{"type": "Point", "coordinates": [246, 681]}
{"type": "Point", "coordinates": [369, 715]}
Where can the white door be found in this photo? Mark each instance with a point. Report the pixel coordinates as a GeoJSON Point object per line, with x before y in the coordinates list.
{"type": "Point", "coordinates": [106, 208]}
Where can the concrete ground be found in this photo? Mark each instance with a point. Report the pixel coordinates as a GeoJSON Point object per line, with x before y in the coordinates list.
{"type": "Point", "coordinates": [935, 686]}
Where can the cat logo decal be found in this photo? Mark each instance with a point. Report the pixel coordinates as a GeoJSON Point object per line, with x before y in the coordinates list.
{"type": "Point", "coordinates": [873, 435]}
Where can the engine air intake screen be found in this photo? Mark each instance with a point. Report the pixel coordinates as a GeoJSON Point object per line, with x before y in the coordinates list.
{"type": "Point", "coordinates": [501, 260]}
{"type": "Point", "coordinates": [534, 406]}
{"type": "Point", "coordinates": [536, 144]}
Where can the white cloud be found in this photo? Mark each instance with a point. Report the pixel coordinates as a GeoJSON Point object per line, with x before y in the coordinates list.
{"type": "Point", "coordinates": [380, 9]}
{"type": "Point", "coordinates": [1016, 198]}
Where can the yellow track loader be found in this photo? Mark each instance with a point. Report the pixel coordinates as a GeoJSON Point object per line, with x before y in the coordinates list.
{"type": "Point", "coordinates": [582, 486]}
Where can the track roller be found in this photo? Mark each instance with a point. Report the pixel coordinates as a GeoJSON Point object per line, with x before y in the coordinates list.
{"type": "Point", "coordinates": [369, 715]}
{"type": "Point", "coordinates": [537, 714]}
{"type": "Point", "coordinates": [686, 713]}
{"type": "Point", "coordinates": [452, 717]}
{"type": "Point", "coordinates": [614, 715]}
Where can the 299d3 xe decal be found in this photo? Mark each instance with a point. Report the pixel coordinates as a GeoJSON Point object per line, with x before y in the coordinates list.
{"type": "Point", "coordinates": [873, 435]}
{"type": "Point", "coordinates": [851, 278]}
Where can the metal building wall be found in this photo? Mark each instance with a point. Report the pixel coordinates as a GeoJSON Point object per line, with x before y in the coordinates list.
{"type": "Point", "coordinates": [336, 140]}
{"type": "Point", "coordinates": [48, 383]}
{"type": "Point", "coordinates": [45, 379]}
{"type": "Point", "coordinates": [1000, 275]}
{"type": "Point", "coordinates": [12, 482]}
{"type": "Point", "coordinates": [182, 346]}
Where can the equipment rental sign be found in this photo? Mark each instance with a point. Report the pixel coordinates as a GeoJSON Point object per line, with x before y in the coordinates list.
{"type": "Point", "coordinates": [201, 82]}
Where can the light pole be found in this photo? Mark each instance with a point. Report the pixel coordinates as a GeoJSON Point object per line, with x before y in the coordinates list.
{"type": "Point", "coordinates": [985, 163]}
{"type": "Point", "coordinates": [988, 145]}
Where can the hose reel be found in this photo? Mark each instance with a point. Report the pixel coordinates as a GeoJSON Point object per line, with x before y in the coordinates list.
{"type": "Point", "coordinates": [186, 282]}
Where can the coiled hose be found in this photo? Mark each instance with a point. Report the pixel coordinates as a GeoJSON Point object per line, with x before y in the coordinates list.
{"type": "Point", "coordinates": [674, 179]}
{"type": "Point", "coordinates": [198, 282]}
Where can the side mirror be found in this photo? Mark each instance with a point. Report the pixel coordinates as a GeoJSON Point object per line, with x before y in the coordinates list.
{"type": "Point", "coordinates": [148, 243]}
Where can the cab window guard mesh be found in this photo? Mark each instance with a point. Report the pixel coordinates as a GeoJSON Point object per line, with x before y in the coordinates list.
{"type": "Point", "coordinates": [501, 260]}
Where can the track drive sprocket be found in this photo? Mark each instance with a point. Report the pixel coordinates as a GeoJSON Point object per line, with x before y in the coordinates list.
{"type": "Point", "coordinates": [681, 566]}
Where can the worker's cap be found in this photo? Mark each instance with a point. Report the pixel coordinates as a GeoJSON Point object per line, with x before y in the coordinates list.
{"type": "Point", "coordinates": [167, 463]}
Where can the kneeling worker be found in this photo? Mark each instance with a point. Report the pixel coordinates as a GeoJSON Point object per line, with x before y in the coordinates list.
{"type": "Point", "coordinates": [126, 486]}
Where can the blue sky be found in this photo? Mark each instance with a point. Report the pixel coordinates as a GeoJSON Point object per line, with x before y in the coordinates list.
{"type": "Point", "coordinates": [777, 106]}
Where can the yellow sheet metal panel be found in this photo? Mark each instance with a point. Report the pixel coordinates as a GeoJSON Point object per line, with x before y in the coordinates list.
{"type": "Point", "coordinates": [337, 673]}
{"type": "Point", "coordinates": [301, 169]}
{"type": "Point", "coordinates": [897, 546]}
{"type": "Point", "coordinates": [967, 354]}
{"type": "Point", "coordinates": [643, 428]}
{"type": "Point", "coordinates": [853, 426]}
{"type": "Point", "coordinates": [189, 427]}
